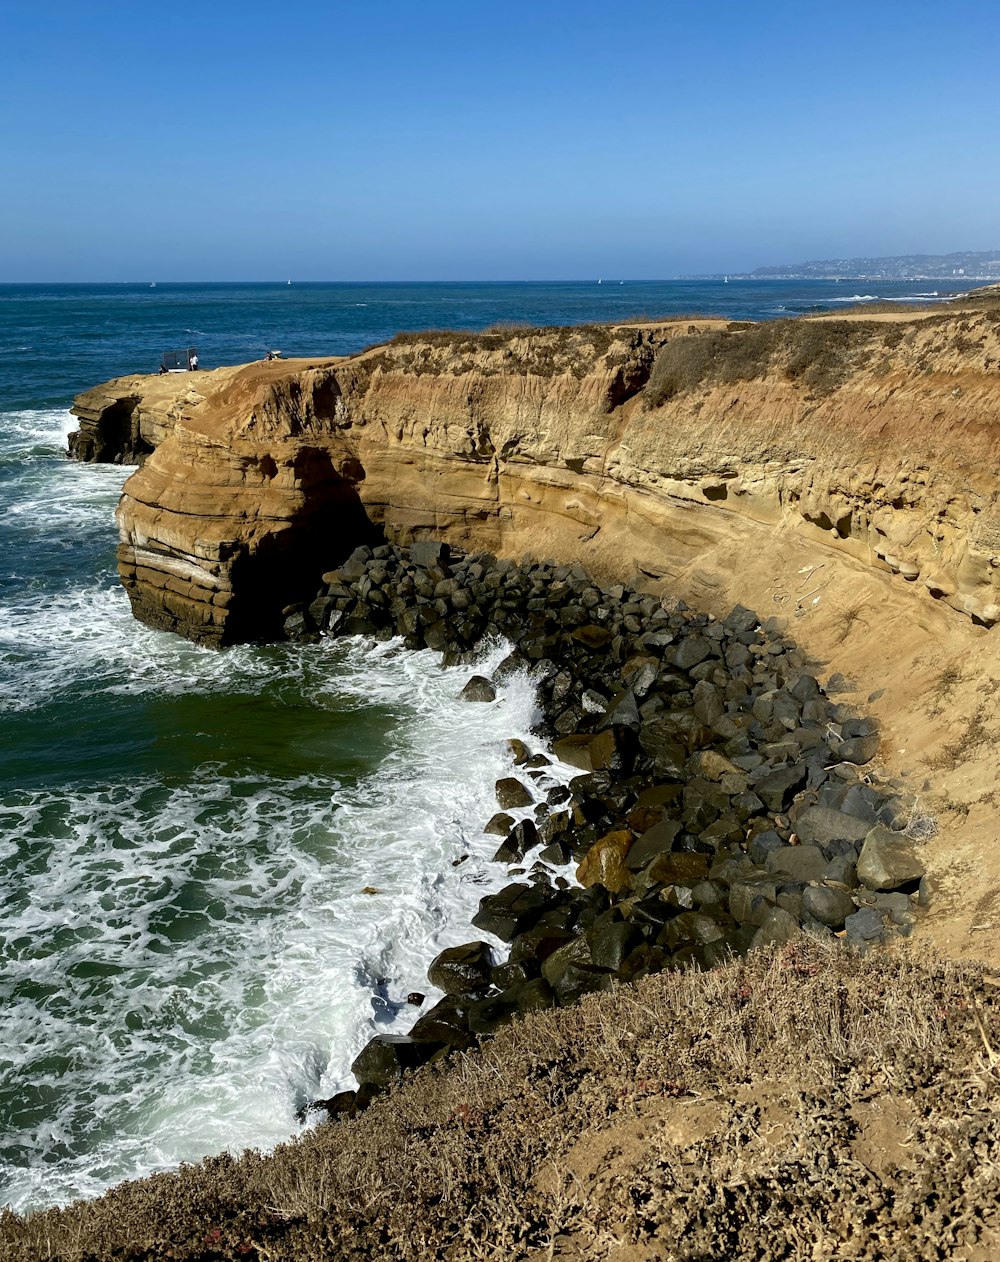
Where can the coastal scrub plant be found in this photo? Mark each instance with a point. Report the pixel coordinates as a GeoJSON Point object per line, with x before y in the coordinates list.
{"type": "Point", "coordinates": [727, 1113]}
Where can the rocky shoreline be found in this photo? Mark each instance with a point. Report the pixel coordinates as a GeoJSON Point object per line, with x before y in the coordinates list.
{"type": "Point", "coordinates": [724, 799]}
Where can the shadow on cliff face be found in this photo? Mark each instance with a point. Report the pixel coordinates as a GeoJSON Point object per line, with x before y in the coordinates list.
{"type": "Point", "coordinates": [113, 438]}
{"type": "Point", "coordinates": [286, 566]}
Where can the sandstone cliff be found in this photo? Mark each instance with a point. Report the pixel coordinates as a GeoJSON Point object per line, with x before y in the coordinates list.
{"type": "Point", "coordinates": [841, 473]}
{"type": "Point", "coordinates": [648, 446]}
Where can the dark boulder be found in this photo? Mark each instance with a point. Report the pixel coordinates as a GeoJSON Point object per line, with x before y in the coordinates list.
{"type": "Point", "coordinates": [479, 688]}
{"type": "Point", "coordinates": [512, 794]}
{"type": "Point", "coordinates": [828, 905]}
{"type": "Point", "coordinates": [797, 863]}
{"type": "Point", "coordinates": [444, 1025]}
{"type": "Point", "coordinates": [888, 861]}
{"type": "Point", "coordinates": [775, 789]}
{"type": "Point", "coordinates": [820, 825]}
{"type": "Point", "coordinates": [387, 1057]}
{"type": "Point", "coordinates": [462, 970]}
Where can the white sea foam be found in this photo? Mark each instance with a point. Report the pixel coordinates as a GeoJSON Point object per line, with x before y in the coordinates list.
{"type": "Point", "coordinates": [929, 297]}
{"type": "Point", "coordinates": [187, 958]}
{"type": "Point", "coordinates": [858, 298]}
{"type": "Point", "coordinates": [182, 1048]}
{"type": "Point", "coordinates": [44, 428]}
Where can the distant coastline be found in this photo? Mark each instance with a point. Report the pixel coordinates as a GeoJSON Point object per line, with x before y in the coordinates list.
{"type": "Point", "coordinates": [960, 267]}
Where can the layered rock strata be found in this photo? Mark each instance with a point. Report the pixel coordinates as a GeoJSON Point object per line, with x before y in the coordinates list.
{"type": "Point", "coordinates": [723, 800]}
{"type": "Point", "coordinates": [675, 448]}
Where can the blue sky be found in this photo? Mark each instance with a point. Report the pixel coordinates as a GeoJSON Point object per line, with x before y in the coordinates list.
{"type": "Point", "coordinates": [442, 140]}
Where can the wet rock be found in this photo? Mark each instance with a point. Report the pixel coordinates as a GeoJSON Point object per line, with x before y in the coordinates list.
{"type": "Point", "coordinates": [512, 794]}
{"type": "Point", "coordinates": [444, 1025]}
{"type": "Point", "coordinates": [677, 868]}
{"type": "Point", "coordinates": [604, 751]}
{"type": "Point", "coordinates": [513, 910]}
{"type": "Point", "coordinates": [611, 943]}
{"type": "Point", "coordinates": [888, 862]}
{"type": "Point", "coordinates": [486, 1016]}
{"type": "Point", "coordinates": [655, 841]}
{"type": "Point", "coordinates": [605, 862]}
{"type": "Point", "coordinates": [343, 1104]}
{"type": "Point", "coordinates": [521, 838]}
{"type": "Point", "coordinates": [479, 688]}
{"type": "Point", "coordinates": [622, 710]}
{"type": "Point", "coordinates": [533, 995]}
{"type": "Point", "coordinates": [462, 970]}
{"type": "Point", "coordinates": [388, 1056]}
{"type": "Point", "coordinates": [499, 825]}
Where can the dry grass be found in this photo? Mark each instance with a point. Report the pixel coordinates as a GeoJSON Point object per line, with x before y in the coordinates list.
{"type": "Point", "coordinates": [849, 618]}
{"type": "Point", "coordinates": [509, 348]}
{"type": "Point", "coordinates": [732, 1114]}
{"type": "Point", "coordinates": [819, 354]}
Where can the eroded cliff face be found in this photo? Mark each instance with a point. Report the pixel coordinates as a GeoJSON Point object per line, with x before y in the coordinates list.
{"type": "Point", "coordinates": [875, 437]}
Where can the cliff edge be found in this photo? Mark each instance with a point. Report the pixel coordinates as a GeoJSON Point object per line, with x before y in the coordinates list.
{"type": "Point", "coordinates": [838, 472]}
{"type": "Point", "coordinates": [624, 446]}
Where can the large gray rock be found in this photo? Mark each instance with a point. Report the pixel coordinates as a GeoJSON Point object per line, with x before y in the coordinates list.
{"type": "Point", "coordinates": [777, 787]}
{"type": "Point", "coordinates": [827, 905]}
{"type": "Point", "coordinates": [867, 925]}
{"type": "Point", "coordinates": [819, 825]}
{"type": "Point", "coordinates": [887, 861]}
{"type": "Point", "coordinates": [428, 553]}
{"type": "Point", "coordinates": [797, 863]}
{"type": "Point", "coordinates": [622, 710]}
{"type": "Point", "coordinates": [639, 674]}
{"type": "Point", "coordinates": [779, 926]}
{"type": "Point", "coordinates": [751, 899]}
{"type": "Point", "coordinates": [858, 749]}
{"type": "Point", "coordinates": [655, 841]}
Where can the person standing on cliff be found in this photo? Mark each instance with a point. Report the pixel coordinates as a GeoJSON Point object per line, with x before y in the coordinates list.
{"type": "Point", "coordinates": [193, 361]}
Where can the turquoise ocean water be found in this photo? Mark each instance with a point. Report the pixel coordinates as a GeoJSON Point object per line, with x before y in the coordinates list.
{"type": "Point", "coordinates": [187, 949]}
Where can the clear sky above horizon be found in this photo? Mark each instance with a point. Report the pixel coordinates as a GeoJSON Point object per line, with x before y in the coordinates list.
{"type": "Point", "coordinates": [448, 141]}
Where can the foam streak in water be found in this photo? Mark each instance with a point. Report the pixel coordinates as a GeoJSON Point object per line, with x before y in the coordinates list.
{"type": "Point", "coordinates": [187, 963]}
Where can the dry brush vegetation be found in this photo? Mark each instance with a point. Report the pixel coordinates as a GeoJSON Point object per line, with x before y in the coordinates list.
{"type": "Point", "coordinates": [802, 1104]}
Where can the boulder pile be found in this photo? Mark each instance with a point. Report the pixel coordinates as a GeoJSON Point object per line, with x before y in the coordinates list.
{"type": "Point", "coordinates": [722, 800]}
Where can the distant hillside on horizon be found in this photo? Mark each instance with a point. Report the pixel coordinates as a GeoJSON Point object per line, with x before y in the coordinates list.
{"type": "Point", "coordinates": [967, 264]}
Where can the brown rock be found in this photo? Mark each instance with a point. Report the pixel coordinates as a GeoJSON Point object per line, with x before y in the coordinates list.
{"type": "Point", "coordinates": [604, 862]}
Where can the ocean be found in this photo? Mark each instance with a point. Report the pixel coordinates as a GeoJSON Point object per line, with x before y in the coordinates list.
{"type": "Point", "coordinates": [220, 874]}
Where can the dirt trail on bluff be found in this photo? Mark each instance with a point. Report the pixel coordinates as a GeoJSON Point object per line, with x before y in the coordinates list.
{"type": "Point", "coordinates": [840, 473]}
